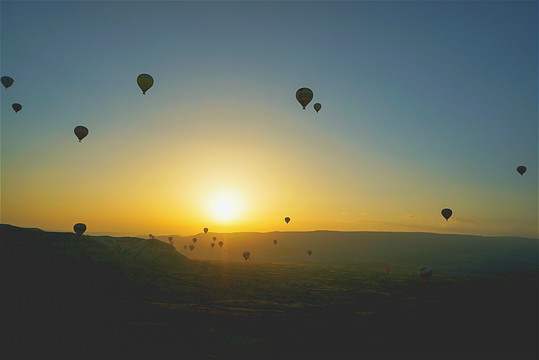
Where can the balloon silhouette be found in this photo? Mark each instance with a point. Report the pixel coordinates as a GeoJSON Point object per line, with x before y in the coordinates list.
{"type": "Point", "coordinates": [205, 230]}
{"type": "Point", "coordinates": [521, 170]}
{"type": "Point", "coordinates": [246, 255]}
{"type": "Point", "coordinates": [274, 242]}
{"type": "Point", "coordinates": [317, 107]}
{"type": "Point", "coordinates": [194, 240]}
{"type": "Point", "coordinates": [7, 81]}
{"type": "Point", "coordinates": [304, 96]}
{"type": "Point", "coordinates": [309, 252]}
{"type": "Point", "coordinates": [79, 228]}
{"type": "Point", "coordinates": [287, 219]}
{"type": "Point", "coordinates": [16, 107]}
{"type": "Point", "coordinates": [145, 82]}
{"type": "Point", "coordinates": [81, 132]}
{"type": "Point", "coordinates": [446, 213]}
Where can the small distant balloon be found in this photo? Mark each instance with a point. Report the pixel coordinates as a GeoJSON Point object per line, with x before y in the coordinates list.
{"type": "Point", "coordinates": [246, 255]}
{"type": "Point", "coordinates": [521, 170]}
{"type": "Point", "coordinates": [287, 219]}
{"type": "Point", "coordinates": [191, 247]}
{"type": "Point", "coordinates": [274, 242]}
{"type": "Point", "coordinates": [212, 245]}
{"type": "Point", "coordinates": [446, 213]}
{"type": "Point", "coordinates": [205, 230]}
{"type": "Point", "coordinates": [16, 107]}
{"type": "Point", "coordinates": [425, 273]}
{"type": "Point", "coordinates": [79, 228]}
{"type": "Point", "coordinates": [170, 238]}
{"type": "Point", "coordinates": [194, 240]}
{"type": "Point", "coordinates": [220, 243]}
{"type": "Point", "coordinates": [7, 81]}
{"type": "Point", "coordinates": [81, 132]}
{"type": "Point", "coordinates": [145, 82]}
{"type": "Point", "coordinates": [388, 269]}
{"type": "Point", "coordinates": [304, 96]}
{"type": "Point", "coordinates": [309, 252]}
{"type": "Point", "coordinates": [317, 107]}
{"type": "Point", "coordinates": [185, 247]}
{"type": "Point", "coordinates": [151, 236]}
{"type": "Point", "coordinates": [214, 238]}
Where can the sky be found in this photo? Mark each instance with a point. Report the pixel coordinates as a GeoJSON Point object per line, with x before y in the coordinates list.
{"type": "Point", "coordinates": [425, 106]}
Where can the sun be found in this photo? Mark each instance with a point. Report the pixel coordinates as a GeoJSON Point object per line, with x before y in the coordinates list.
{"type": "Point", "coordinates": [225, 205]}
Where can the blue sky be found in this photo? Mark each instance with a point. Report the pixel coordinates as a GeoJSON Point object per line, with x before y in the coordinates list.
{"type": "Point", "coordinates": [425, 104]}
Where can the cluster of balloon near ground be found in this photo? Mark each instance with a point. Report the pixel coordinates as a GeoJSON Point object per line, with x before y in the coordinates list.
{"type": "Point", "coordinates": [304, 96]}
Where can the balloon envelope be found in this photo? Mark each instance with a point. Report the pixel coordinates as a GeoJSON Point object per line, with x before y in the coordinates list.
{"type": "Point", "coordinates": [521, 170]}
{"type": "Point", "coordinates": [274, 242]}
{"type": "Point", "coordinates": [446, 213]}
{"type": "Point", "coordinates": [81, 132]}
{"type": "Point", "coordinates": [16, 107]}
{"type": "Point", "coordinates": [309, 252]}
{"type": "Point", "coordinates": [191, 247]}
{"type": "Point", "coordinates": [246, 255]}
{"type": "Point", "coordinates": [145, 82]}
{"type": "Point", "coordinates": [7, 81]}
{"type": "Point", "coordinates": [205, 230]}
{"type": "Point", "coordinates": [212, 244]}
{"type": "Point", "coordinates": [287, 219]}
{"type": "Point", "coordinates": [304, 96]}
{"type": "Point", "coordinates": [185, 247]}
{"type": "Point", "coordinates": [170, 238]}
{"type": "Point", "coordinates": [425, 273]}
{"type": "Point", "coordinates": [220, 243]}
{"type": "Point", "coordinates": [317, 107]}
{"type": "Point", "coordinates": [214, 238]}
{"type": "Point", "coordinates": [194, 240]}
{"type": "Point", "coordinates": [79, 228]}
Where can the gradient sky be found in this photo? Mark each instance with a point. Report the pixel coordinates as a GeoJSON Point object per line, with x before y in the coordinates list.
{"type": "Point", "coordinates": [425, 105]}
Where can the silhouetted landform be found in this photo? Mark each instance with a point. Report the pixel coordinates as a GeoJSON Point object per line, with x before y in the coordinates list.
{"type": "Point", "coordinates": [70, 297]}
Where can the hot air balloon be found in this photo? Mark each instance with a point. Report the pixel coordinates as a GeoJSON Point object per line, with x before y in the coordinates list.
{"type": "Point", "coordinates": [81, 132]}
{"type": "Point", "coordinates": [220, 243]}
{"type": "Point", "coordinates": [521, 170]}
{"type": "Point", "coordinates": [145, 82]}
{"type": "Point", "coordinates": [317, 107]}
{"type": "Point", "coordinates": [425, 273]}
{"type": "Point", "coordinates": [287, 219]}
{"type": "Point", "coordinates": [446, 213]}
{"type": "Point", "coordinates": [7, 81]}
{"type": "Point", "coordinates": [274, 242]}
{"type": "Point", "coordinates": [79, 228]}
{"type": "Point", "coordinates": [16, 107]}
{"type": "Point", "coordinates": [304, 96]}
{"type": "Point", "coordinates": [309, 252]}
{"type": "Point", "coordinates": [205, 230]}
{"type": "Point", "coordinates": [151, 236]}
{"type": "Point", "coordinates": [185, 247]}
{"type": "Point", "coordinates": [170, 238]}
{"type": "Point", "coordinates": [212, 245]}
{"type": "Point", "coordinates": [388, 269]}
{"type": "Point", "coordinates": [194, 240]}
{"type": "Point", "coordinates": [191, 247]}
{"type": "Point", "coordinates": [214, 238]}
{"type": "Point", "coordinates": [246, 255]}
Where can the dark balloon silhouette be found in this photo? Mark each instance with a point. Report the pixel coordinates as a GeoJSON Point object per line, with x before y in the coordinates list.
{"type": "Point", "coordinates": [212, 245]}
{"type": "Point", "coordinates": [425, 273]}
{"type": "Point", "coordinates": [309, 252]}
{"type": "Point", "coordinates": [246, 255]}
{"type": "Point", "coordinates": [7, 81]}
{"type": "Point", "coordinates": [317, 107]}
{"type": "Point", "coordinates": [287, 219]}
{"type": "Point", "coordinates": [446, 213]}
{"type": "Point", "coordinates": [194, 240]}
{"type": "Point", "coordinates": [191, 247]}
{"type": "Point", "coordinates": [205, 230]}
{"type": "Point", "coordinates": [81, 132]}
{"type": "Point", "coordinates": [145, 82]}
{"type": "Point", "coordinates": [220, 243]}
{"type": "Point", "coordinates": [274, 242]}
{"type": "Point", "coordinates": [16, 107]}
{"type": "Point", "coordinates": [304, 96]}
{"type": "Point", "coordinates": [79, 228]}
{"type": "Point", "coordinates": [521, 170]}
{"type": "Point", "coordinates": [214, 238]}
{"type": "Point", "coordinates": [185, 247]}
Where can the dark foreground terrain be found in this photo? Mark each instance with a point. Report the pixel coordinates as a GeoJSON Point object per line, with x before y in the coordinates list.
{"type": "Point", "coordinates": [64, 296]}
